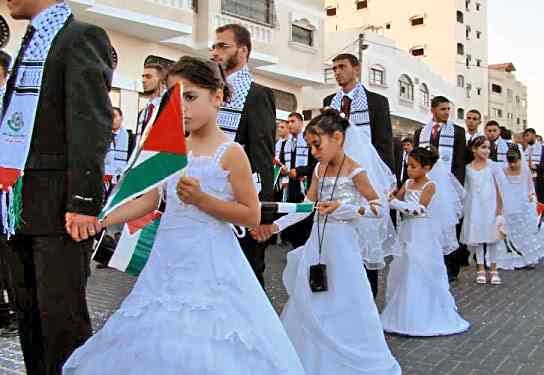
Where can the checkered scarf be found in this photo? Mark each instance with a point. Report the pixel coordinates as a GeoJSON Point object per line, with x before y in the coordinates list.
{"type": "Point", "coordinates": [446, 140]}
{"type": "Point", "coordinates": [231, 112]}
{"type": "Point", "coordinates": [18, 119]}
{"type": "Point", "coordinates": [359, 115]}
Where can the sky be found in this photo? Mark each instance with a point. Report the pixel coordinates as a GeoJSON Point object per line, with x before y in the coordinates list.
{"type": "Point", "coordinates": [516, 34]}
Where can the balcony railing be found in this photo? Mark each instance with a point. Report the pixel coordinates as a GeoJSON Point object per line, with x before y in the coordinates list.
{"type": "Point", "coordinates": [178, 4]}
{"type": "Point", "coordinates": [259, 33]}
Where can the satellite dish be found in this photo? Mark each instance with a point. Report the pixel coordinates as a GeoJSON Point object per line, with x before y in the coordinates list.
{"type": "Point", "coordinates": [4, 32]}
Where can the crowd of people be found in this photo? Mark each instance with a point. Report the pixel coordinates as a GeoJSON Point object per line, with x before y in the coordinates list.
{"type": "Point", "coordinates": [424, 206]}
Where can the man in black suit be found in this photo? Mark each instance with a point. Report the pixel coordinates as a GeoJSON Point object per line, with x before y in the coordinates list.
{"type": "Point", "coordinates": [250, 119]}
{"type": "Point", "coordinates": [449, 140]}
{"type": "Point", "coordinates": [62, 181]}
{"type": "Point", "coordinates": [401, 160]}
{"type": "Point", "coordinates": [365, 109]}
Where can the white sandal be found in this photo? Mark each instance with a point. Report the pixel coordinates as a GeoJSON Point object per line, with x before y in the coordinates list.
{"type": "Point", "coordinates": [495, 278]}
{"type": "Point", "coordinates": [480, 277]}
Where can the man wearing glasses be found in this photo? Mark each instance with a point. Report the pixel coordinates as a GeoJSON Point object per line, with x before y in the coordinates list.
{"type": "Point", "coordinates": [249, 118]}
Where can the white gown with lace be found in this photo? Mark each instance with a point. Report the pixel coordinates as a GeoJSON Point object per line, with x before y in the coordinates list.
{"type": "Point", "coordinates": [196, 308]}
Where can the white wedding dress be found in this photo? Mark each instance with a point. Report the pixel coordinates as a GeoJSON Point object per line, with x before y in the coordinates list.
{"type": "Point", "coordinates": [196, 308]}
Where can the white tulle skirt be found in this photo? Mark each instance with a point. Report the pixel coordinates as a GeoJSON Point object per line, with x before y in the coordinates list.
{"type": "Point", "coordinates": [338, 331]}
{"type": "Point", "coordinates": [196, 309]}
{"type": "Point", "coordinates": [418, 299]}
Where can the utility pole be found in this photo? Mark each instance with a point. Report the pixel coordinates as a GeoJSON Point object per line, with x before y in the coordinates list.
{"type": "Point", "coordinates": [361, 49]}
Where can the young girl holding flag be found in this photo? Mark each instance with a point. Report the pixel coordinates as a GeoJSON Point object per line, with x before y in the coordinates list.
{"type": "Point", "coordinates": [196, 308]}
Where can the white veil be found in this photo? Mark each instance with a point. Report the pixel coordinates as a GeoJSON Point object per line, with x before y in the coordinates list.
{"type": "Point", "coordinates": [378, 237]}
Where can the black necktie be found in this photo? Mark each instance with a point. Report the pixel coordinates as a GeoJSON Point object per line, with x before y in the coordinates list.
{"type": "Point", "coordinates": [493, 155]}
{"type": "Point", "coordinates": [282, 152]}
{"type": "Point", "coordinates": [345, 106]}
{"type": "Point", "coordinates": [294, 152]}
{"type": "Point", "coordinates": [10, 86]}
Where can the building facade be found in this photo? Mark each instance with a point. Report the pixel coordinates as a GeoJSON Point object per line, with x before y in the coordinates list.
{"type": "Point", "coordinates": [407, 82]}
{"type": "Point", "coordinates": [507, 97]}
{"type": "Point", "coordinates": [287, 35]}
{"type": "Point", "coordinates": [449, 35]}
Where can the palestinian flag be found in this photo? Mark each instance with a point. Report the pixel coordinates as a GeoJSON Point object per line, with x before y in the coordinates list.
{"type": "Point", "coordinates": [162, 153]}
{"type": "Point", "coordinates": [135, 244]}
{"type": "Point", "coordinates": [287, 208]}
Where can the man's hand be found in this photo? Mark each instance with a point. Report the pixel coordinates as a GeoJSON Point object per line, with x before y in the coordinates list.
{"type": "Point", "coordinates": [263, 232]}
{"type": "Point", "coordinates": [82, 227]}
{"type": "Point", "coordinates": [293, 174]}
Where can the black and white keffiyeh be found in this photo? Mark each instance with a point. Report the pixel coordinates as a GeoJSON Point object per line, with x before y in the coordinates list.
{"type": "Point", "coordinates": [445, 145]}
{"type": "Point", "coordinates": [18, 118]}
{"type": "Point", "coordinates": [301, 148]}
{"type": "Point", "coordinates": [359, 115]}
{"type": "Point", "coordinates": [231, 112]}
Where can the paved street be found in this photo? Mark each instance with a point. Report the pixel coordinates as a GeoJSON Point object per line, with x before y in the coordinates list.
{"type": "Point", "coordinates": [506, 337]}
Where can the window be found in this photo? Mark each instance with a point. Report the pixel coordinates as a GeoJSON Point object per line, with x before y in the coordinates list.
{"type": "Point", "coordinates": [524, 103]}
{"type": "Point", "coordinates": [460, 17]}
{"type": "Point", "coordinates": [416, 21]}
{"type": "Point", "coordinates": [478, 34]}
{"type": "Point", "coordinates": [329, 75]}
{"type": "Point", "coordinates": [406, 88]}
{"type": "Point", "coordinates": [468, 31]}
{"type": "Point", "coordinates": [468, 90]}
{"type": "Point", "coordinates": [307, 114]}
{"type": "Point", "coordinates": [497, 112]}
{"type": "Point", "coordinates": [425, 96]}
{"type": "Point", "coordinates": [525, 123]}
{"type": "Point", "coordinates": [509, 116]}
{"type": "Point", "coordinates": [518, 100]}
{"type": "Point", "coordinates": [467, 5]}
{"type": "Point", "coordinates": [377, 75]}
{"type": "Point", "coordinates": [302, 35]}
{"type": "Point", "coordinates": [479, 91]}
{"type": "Point", "coordinates": [518, 121]}
{"type": "Point", "coordinates": [468, 60]}
{"type": "Point", "coordinates": [460, 113]}
{"type": "Point", "coordinates": [256, 10]}
{"type": "Point", "coordinates": [478, 62]}
{"type": "Point", "coordinates": [362, 4]}
{"type": "Point", "coordinates": [285, 101]}
{"type": "Point", "coordinates": [331, 12]}
{"type": "Point", "coordinates": [497, 89]}
{"type": "Point", "coordinates": [510, 95]}
{"type": "Point", "coordinates": [460, 49]}
{"type": "Point", "coordinates": [460, 81]}
{"type": "Point", "coordinates": [388, 26]}
{"type": "Point", "coordinates": [478, 6]}
{"type": "Point", "coordinates": [418, 51]}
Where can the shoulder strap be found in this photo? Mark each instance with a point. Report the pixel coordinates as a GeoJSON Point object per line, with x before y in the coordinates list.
{"type": "Point", "coordinates": [356, 171]}
{"type": "Point", "coordinates": [221, 151]}
{"type": "Point", "coordinates": [317, 169]}
{"type": "Point", "coordinates": [427, 184]}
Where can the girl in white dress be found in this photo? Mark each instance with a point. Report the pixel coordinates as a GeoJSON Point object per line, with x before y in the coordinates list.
{"type": "Point", "coordinates": [196, 308]}
{"type": "Point", "coordinates": [335, 329]}
{"type": "Point", "coordinates": [483, 205]}
{"type": "Point", "coordinates": [418, 299]}
{"type": "Point", "coordinates": [524, 240]}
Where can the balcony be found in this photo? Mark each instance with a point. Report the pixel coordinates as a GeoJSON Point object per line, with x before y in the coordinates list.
{"type": "Point", "coordinates": [143, 19]}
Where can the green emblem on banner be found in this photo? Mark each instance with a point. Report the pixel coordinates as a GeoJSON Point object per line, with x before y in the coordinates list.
{"type": "Point", "coordinates": [16, 122]}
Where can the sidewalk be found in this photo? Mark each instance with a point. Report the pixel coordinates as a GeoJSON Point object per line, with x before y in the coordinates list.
{"type": "Point", "coordinates": [506, 337]}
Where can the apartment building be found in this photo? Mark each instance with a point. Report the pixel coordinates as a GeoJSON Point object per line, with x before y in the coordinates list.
{"type": "Point", "coordinates": [507, 97]}
{"type": "Point", "coordinates": [449, 35]}
{"type": "Point", "coordinates": [287, 35]}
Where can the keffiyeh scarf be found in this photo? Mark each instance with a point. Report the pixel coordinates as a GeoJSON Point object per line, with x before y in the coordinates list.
{"type": "Point", "coordinates": [231, 112]}
{"type": "Point", "coordinates": [359, 115]}
{"type": "Point", "coordinates": [445, 145]}
{"type": "Point", "coordinates": [19, 117]}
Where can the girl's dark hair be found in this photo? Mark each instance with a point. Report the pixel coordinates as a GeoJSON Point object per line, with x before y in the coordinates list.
{"type": "Point", "coordinates": [426, 156]}
{"type": "Point", "coordinates": [513, 154]}
{"type": "Point", "coordinates": [203, 73]}
{"type": "Point", "coordinates": [328, 122]}
{"type": "Point", "coordinates": [475, 143]}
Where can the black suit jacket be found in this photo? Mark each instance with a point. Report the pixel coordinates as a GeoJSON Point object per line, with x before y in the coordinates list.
{"type": "Point", "coordinates": [380, 125]}
{"type": "Point", "coordinates": [459, 152]}
{"type": "Point", "coordinates": [257, 134]}
{"type": "Point", "coordinates": [72, 131]}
